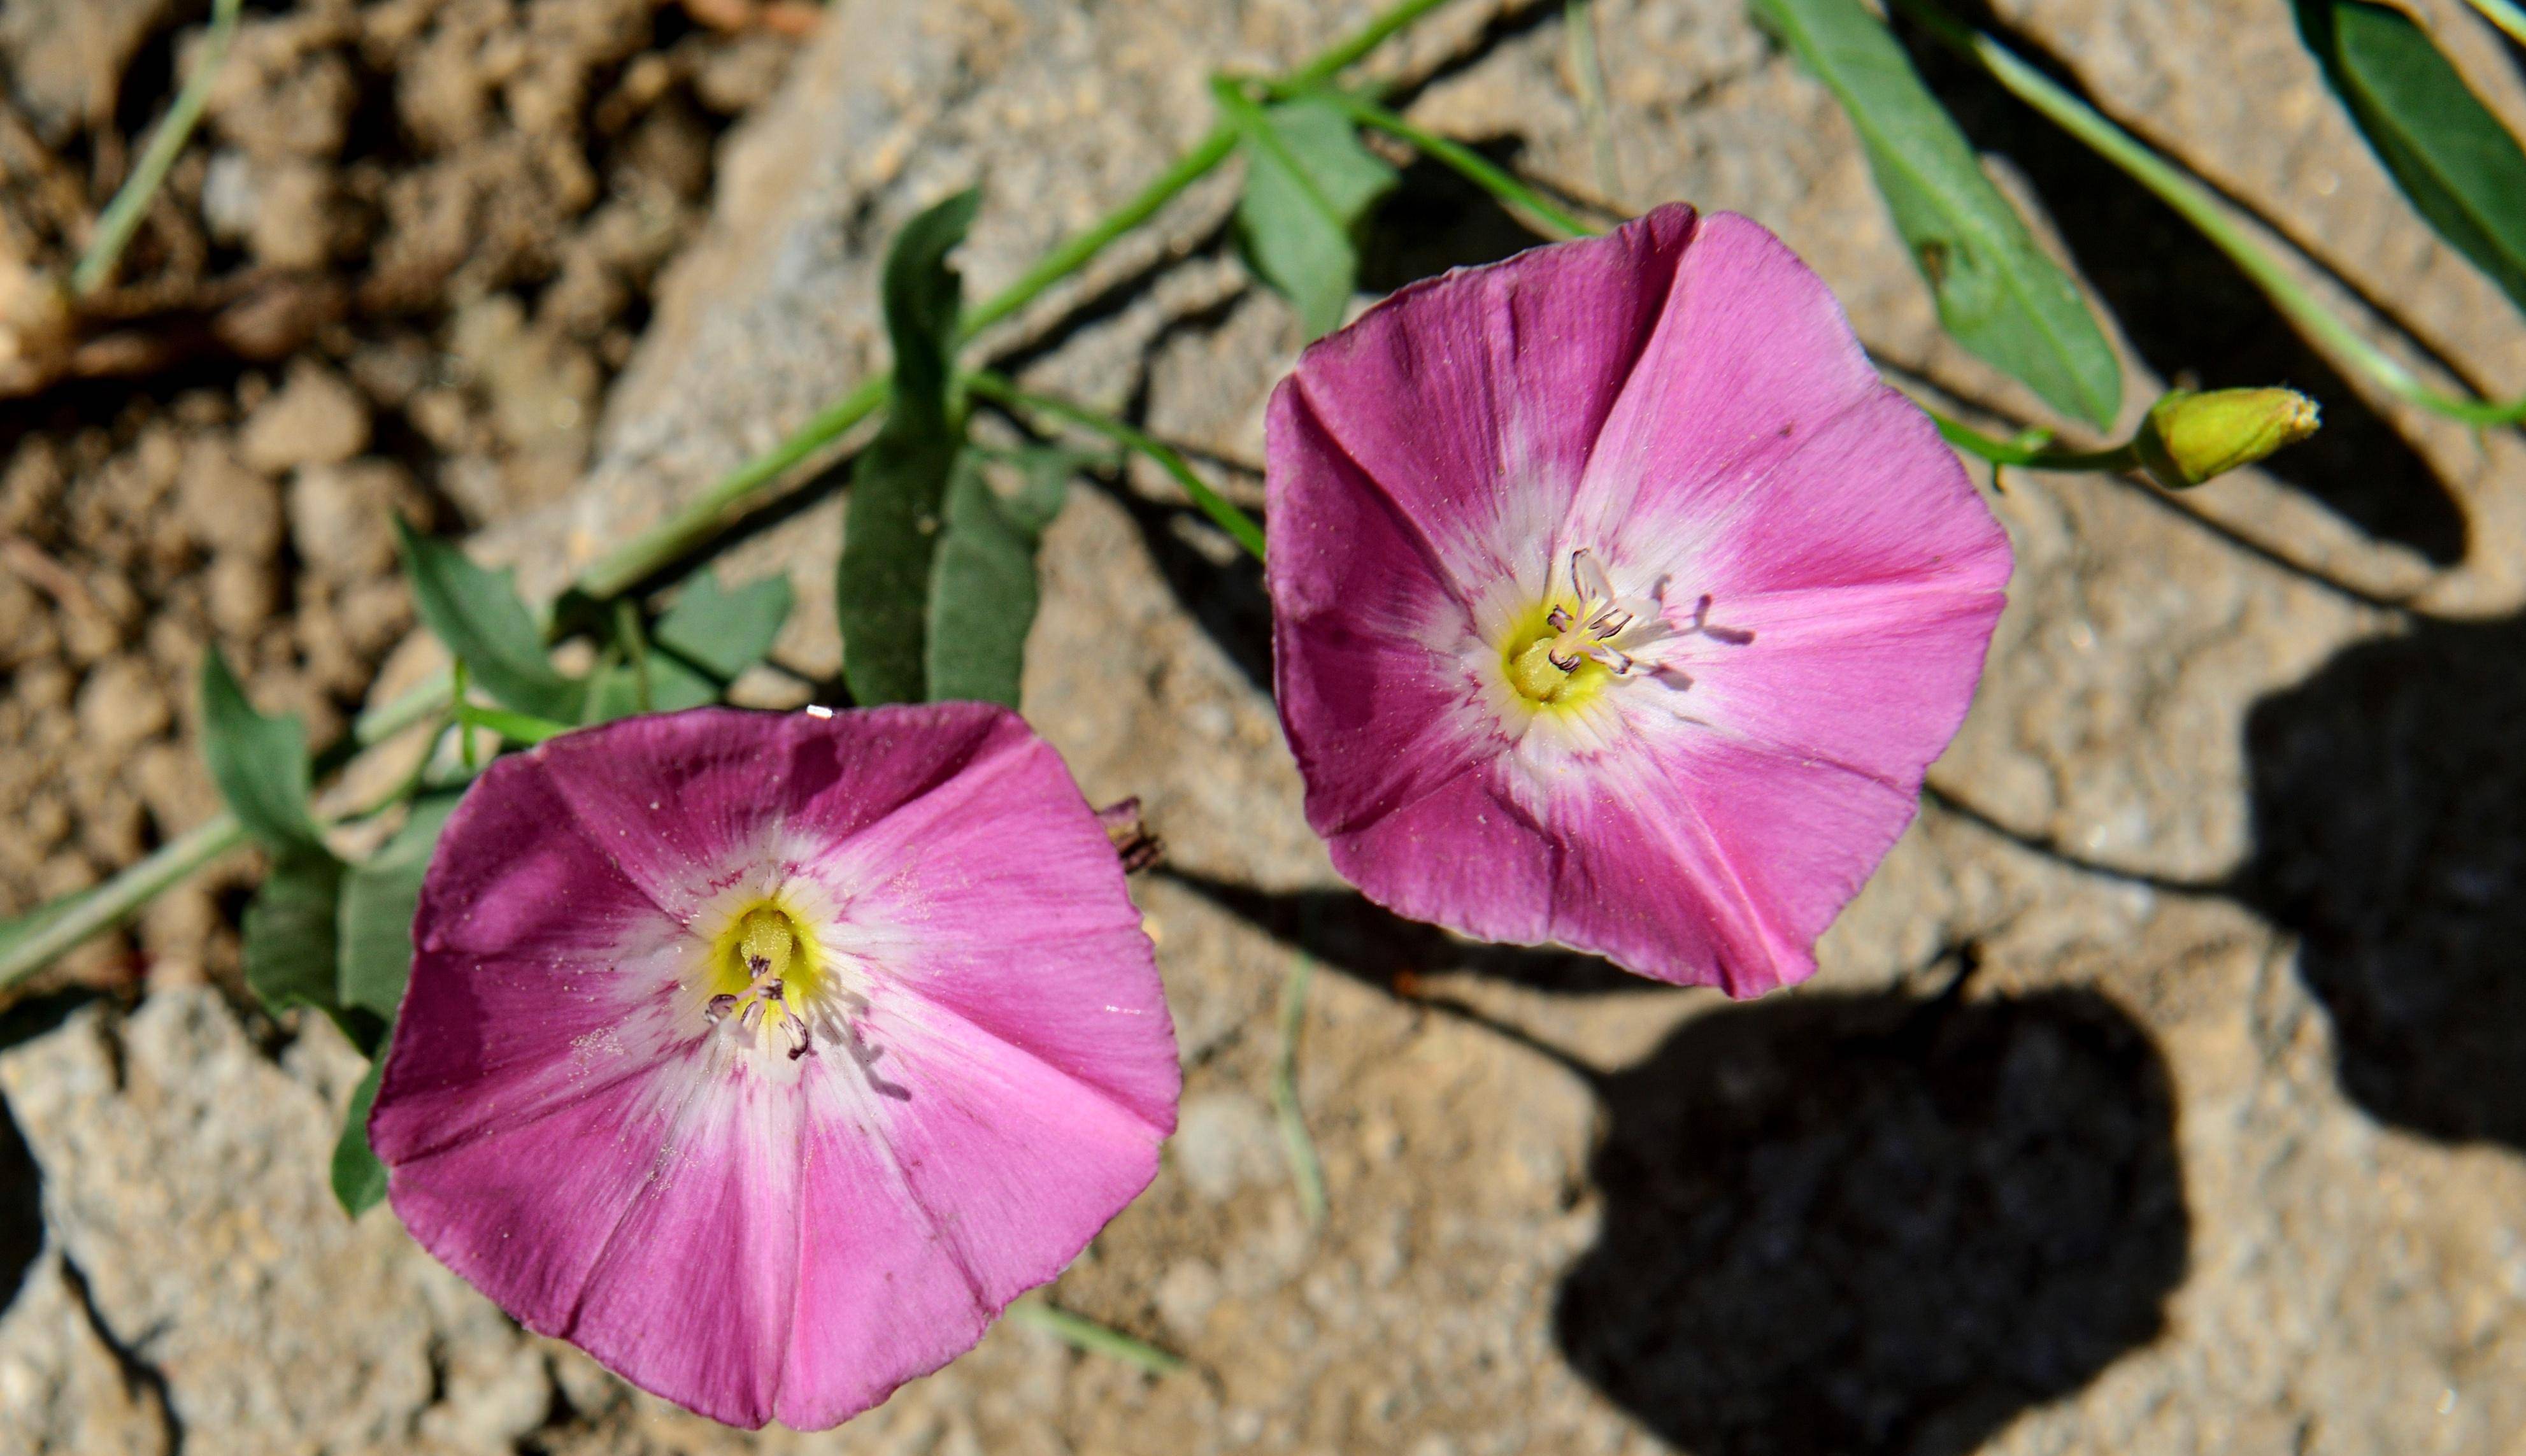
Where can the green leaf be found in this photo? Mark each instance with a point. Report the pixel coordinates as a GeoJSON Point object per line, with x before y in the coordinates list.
{"type": "Point", "coordinates": [2462, 171]}
{"type": "Point", "coordinates": [723, 632]}
{"type": "Point", "coordinates": [615, 691]}
{"type": "Point", "coordinates": [898, 487]}
{"type": "Point", "coordinates": [1997, 291]}
{"type": "Point", "coordinates": [290, 940]}
{"type": "Point", "coordinates": [379, 896]}
{"type": "Point", "coordinates": [983, 599]}
{"type": "Point", "coordinates": [259, 763]}
{"type": "Point", "coordinates": [359, 1179]}
{"type": "Point", "coordinates": [1308, 182]}
{"type": "Point", "coordinates": [477, 614]}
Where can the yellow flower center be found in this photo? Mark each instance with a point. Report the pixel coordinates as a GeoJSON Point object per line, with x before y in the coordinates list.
{"type": "Point", "coordinates": [764, 970]}
{"type": "Point", "coordinates": [1544, 662]}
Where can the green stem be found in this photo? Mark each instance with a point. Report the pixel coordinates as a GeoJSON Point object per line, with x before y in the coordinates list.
{"type": "Point", "coordinates": [2198, 205]}
{"type": "Point", "coordinates": [1361, 41]}
{"type": "Point", "coordinates": [517, 727]}
{"type": "Point", "coordinates": [2506, 14]}
{"type": "Point", "coordinates": [122, 217]}
{"type": "Point", "coordinates": [1305, 1170]}
{"type": "Point", "coordinates": [728, 498]}
{"type": "Point", "coordinates": [1086, 1335]}
{"type": "Point", "coordinates": [635, 645]}
{"type": "Point", "coordinates": [1220, 509]}
{"type": "Point", "coordinates": [738, 489]}
{"type": "Point", "coordinates": [1071, 256]}
{"type": "Point", "coordinates": [101, 909]}
{"type": "Point", "coordinates": [1473, 165]}
{"type": "Point", "coordinates": [2122, 457]}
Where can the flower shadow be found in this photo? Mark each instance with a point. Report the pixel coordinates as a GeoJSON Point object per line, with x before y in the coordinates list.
{"type": "Point", "coordinates": [1841, 1223]}
{"type": "Point", "coordinates": [2190, 312]}
{"type": "Point", "coordinates": [2388, 807]}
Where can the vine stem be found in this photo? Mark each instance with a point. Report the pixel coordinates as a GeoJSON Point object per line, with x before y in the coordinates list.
{"type": "Point", "coordinates": [122, 217]}
{"type": "Point", "coordinates": [2199, 206]}
{"type": "Point", "coordinates": [735, 491]}
{"type": "Point", "coordinates": [1220, 509]}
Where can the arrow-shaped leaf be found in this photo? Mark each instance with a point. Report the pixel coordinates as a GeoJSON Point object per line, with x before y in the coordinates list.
{"type": "Point", "coordinates": [898, 487]}
{"type": "Point", "coordinates": [1996, 291]}
{"type": "Point", "coordinates": [1308, 182]}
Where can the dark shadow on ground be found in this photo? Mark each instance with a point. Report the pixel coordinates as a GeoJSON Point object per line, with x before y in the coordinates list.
{"type": "Point", "coordinates": [1344, 931]}
{"type": "Point", "coordinates": [21, 1209]}
{"type": "Point", "coordinates": [2190, 314]}
{"type": "Point", "coordinates": [1876, 1223]}
{"type": "Point", "coordinates": [1434, 221]}
{"type": "Point", "coordinates": [2390, 831]}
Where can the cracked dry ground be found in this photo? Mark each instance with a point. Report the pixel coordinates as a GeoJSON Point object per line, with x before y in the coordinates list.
{"type": "Point", "coordinates": [2216, 1147]}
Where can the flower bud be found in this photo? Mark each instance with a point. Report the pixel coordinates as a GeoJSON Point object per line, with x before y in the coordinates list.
{"type": "Point", "coordinates": [2189, 437]}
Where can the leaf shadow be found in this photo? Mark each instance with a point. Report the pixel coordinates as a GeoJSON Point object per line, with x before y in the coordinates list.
{"type": "Point", "coordinates": [2190, 312]}
{"type": "Point", "coordinates": [2389, 814]}
{"type": "Point", "coordinates": [1876, 1221]}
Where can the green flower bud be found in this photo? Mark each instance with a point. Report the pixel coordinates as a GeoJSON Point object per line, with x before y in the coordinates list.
{"type": "Point", "coordinates": [2189, 437]}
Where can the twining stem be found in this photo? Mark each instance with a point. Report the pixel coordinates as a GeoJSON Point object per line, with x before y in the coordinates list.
{"type": "Point", "coordinates": [1305, 1170]}
{"type": "Point", "coordinates": [2199, 206]}
{"type": "Point", "coordinates": [108, 905]}
{"type": "Point", "coordinates": [1471, 165]}
{"type": "Point", "coordinates": [2507, 15]}
{"type": "Point", "coordinates": [998, 389]}
{"type": "Point", "coordinates": [122, 217]}
{"type": "Point", "coordinates": [1086, 1335]}
{"type": "Point", "coordinates": [2034, 456]}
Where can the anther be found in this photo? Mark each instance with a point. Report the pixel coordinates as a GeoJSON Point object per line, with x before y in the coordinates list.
{"type": "Point", "coordinates": [719, 1007]}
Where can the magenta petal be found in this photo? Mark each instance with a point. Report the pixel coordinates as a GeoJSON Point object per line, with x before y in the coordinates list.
{"type": "Point", "coordinates": [1461, 855]}
{"type": "Point", "coordinates": [987, 1066]}
{"type": "Point", "coordinates": [1750, 357]}
{"type": "Point", "coordinates": [1455, 385]}
{"type": "Point", "coordinates": [1345, 572]}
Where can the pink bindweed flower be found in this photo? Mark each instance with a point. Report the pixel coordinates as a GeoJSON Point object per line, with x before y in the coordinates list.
{"type": "Point", "coordinates": [767, 1058]}
{"type": "Point", "coordinates": [1617, 602]}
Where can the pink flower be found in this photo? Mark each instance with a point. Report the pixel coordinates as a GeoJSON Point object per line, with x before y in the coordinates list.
{"type": "Point", "coordinates": [768, 1057]}
{"type": "Point", "coordinates": [1617, 602]}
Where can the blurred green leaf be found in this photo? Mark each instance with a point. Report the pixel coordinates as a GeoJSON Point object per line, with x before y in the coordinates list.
{"type": "Point", "coordinates": [1308, 182]}
{"type": "Point", "coordinates": [379, 896]}
{"type": "Point", "coordinates": [723, 632]}
{"type": "Point", "coordinates": [891, 523]}
{"type": "Point", "coordinates": [615, 691]}
{"type": "Point", "coordinates": [478, 614]}
{"type": "Point", "coordinates": [1996, 291]}
{"type": "Point", "coordinates": [983, 599]}
{"type": "Point", "coordinates": [259, 763]}
{"type": "Point", "coordinates": [2445, 150]}
{"type": "Point", "coordinates": [359, 1179]}
{"type": "Point", "coordinates": [290, 941]}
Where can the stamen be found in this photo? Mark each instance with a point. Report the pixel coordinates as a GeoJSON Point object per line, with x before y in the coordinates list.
{"type": "Point", "coordinates": [1566, 664]}
{"type": "Point", "coordinates": [719, 1008]}
{"type": "Point", "coordinates": [1557, 619]}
